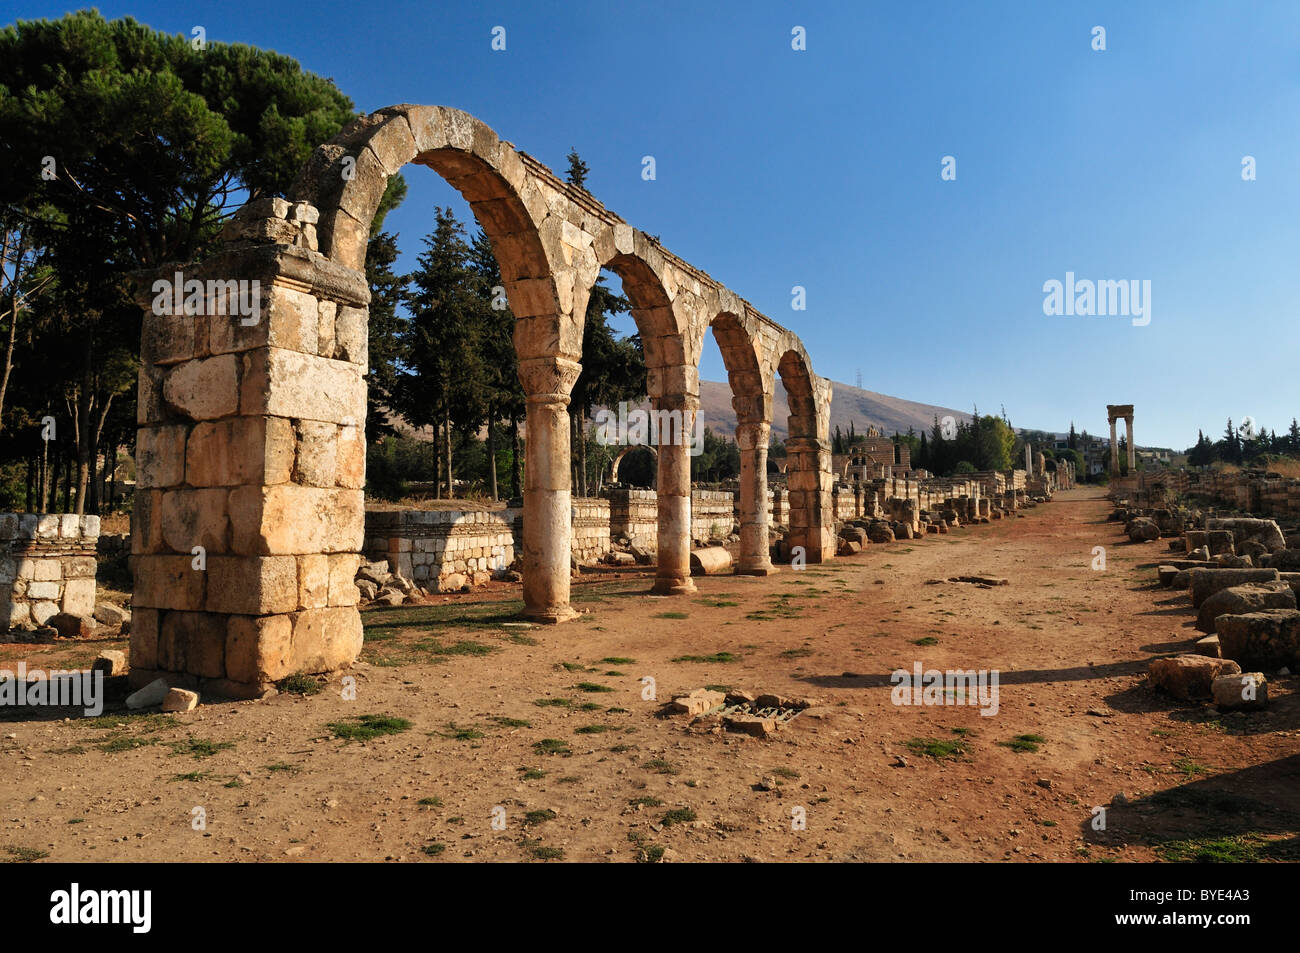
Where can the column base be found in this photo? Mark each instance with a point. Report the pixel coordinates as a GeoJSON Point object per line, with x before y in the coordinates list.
{"type": "Point", "coordinates": [761, 569]}
{"type": "Point", "coordinates": [552, 616]}
{"type": "Point", "coordinates": [673, 587]}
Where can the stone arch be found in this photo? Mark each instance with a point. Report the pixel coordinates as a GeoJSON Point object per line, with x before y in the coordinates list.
{"type": "Point", "coordinates": [810, 477]}
{"type": "Point", "coordinates": [251, 433]}
{"type": "Point", "coordinates": [739, 341]}
{"type": "Point", "coordinates": [630, 448]}
{"type": "Point", "coordinates": [660, 307]}
{"type": "Point", "coordinates": [493, 178]}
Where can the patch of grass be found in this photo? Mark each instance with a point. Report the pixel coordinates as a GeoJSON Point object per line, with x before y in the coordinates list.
{"type": "Point", "coordinates": [590, 706]}
{"type": "Point", "coordinates": [784, 772]}
{"type": "Point", "coordinates": [1021, 743]}
{"type": "Point", "coordinates": [717, 603]}
{"type": "Point", "coordinates": [651, 854]}
{"type": "Point", "coordinates": [1239, 849]}
{"type": "Point", "coordinates": [71, 749]}
{"type": "Point", "coordinates": [430, 802]}
{"type": "Point", "coordinates": [672, 615]}
{"type": "Point", "coordinates": [464, 647]}
{"type": "Point", "coordinates": [553, 702]}
{"type": "Point", "coordinates": [573, 667]}
{"type": "Point", "coordinates": [660, 766]}
{"type": "Point", "coordinates": [618, 660]}
{"type": "Point", "coordinates": [24, 855]}
{"type": "Point", "coordinates": [366, 727]}
{"type": "Point", "coordinates": [300, 685]}
{"type": "Point", "coordinates": [715, 657]}
{"type": "Point", "coordinates": [796, 653]}
{"type": "Point", "coordinates": [518, 639]}
{"type": "Point", "coordinates": [678, 815]}
{"type": "Point", "coordinates": [568, 779]}
{"type": "Point", "coordinates": [552, 746]}
{"type": "Point", "coordinates": [200, 747]}
{"type": "Point", "coordinates": [593, 729]}
{"type": "Point", "coordinates": [457, 733]}
{"type": "Point", "coordinates": [718, 688]}
{"type": "Point", "coordinates": [938, 748]}
{"type": "Point", "coordinates": [539, 817]}
{"type": "Point", "coordinates": [192, 776]}
{"type": "Point", "coordinates": [927, 640]}
{"type": "Point", "coordinates": [1189, 768]}
{"type": "Point", "coordinates": [533, 774]}
{"type": "Point", "coordinates": [146, 723]}
{"type": "Point", "coordinates": [613, 673]}
{"type": "Point", "coordinates": [543, 853]}
{"type": "Point", "coordinates": [434, 849]}
{"type": "Point", "coordinates": [645, 801]}
{"type": "Point", "coordinates": [233, 783]}
{"type": "Point", "coordinates": [592, 687]}
{"type": "Point", "coordinates": [282, 766]}
{"type": "Point", "coordinates": [512, 722]}
{"type": "Point", "coordinates": [76, 820]}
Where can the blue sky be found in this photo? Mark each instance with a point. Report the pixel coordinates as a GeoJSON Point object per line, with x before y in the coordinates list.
{"type": "Point", "coordinates": [821, 168]}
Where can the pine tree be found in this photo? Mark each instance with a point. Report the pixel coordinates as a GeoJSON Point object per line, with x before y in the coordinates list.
{"type": "Point", "coordinates": [578, 170]}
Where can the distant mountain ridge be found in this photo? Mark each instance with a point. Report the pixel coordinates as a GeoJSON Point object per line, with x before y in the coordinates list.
{"type": "Point", "coordinates": [863, 408]}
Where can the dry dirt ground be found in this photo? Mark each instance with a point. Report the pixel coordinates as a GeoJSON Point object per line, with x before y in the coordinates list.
{"type": "Point", "coordinates": [546, 729]}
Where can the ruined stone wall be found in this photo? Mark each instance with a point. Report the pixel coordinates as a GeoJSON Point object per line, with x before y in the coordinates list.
{"type": "Point", "coordinates": [427, 546]}
{"type": "Point", "coordinates": [47, 566]}
{"type": "Point", "coordinates": [713, 513]}
{"type": "Point", "coordinates": [591, 528]}
{"type": "Point", "coordinates": [778, 507]}
{"type": "Point", "coordinates": [634, 513]}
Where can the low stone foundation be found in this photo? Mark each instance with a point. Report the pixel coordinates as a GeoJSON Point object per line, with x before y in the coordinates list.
{"type": "Point", "coordinates": [426, 546]}
{"type": "Point", "coordinates": [47, 566]}
{"type": "Point", "coordinates": [591, 529]}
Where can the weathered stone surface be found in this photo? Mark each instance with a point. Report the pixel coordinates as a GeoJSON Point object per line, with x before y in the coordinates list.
{"type": "Point", "coordinates": [1142, 530]}
{"type": "Point", "coordinates": [709, 561]}
{"type": "Point", "coordinates": [259, 650]}
{"type": "Point", "coordinates": [110, 662]}
{"type": "Point", "coordinates": [180, 699]}
{"type": "Point", "coordinates": [1204, 583]}
{"type": "Point", "coordinates": [72, 626]}
{"type": "Point", "coordinates": [697, 702]}
{"type": "Point", "coordinates": [253, 585]}
{"type": "Point", "coordinates": [204, 389]}
{"type": "Point", "coordinates": [1266, 640]}
{"type": "Point", "coordinates": [152, 694]}
{"type": "Point", "coordinates": [1189, 676]}
{"type": "Point", "coordinates": [1238, 600]}
{"type": "Point", "coordinates": [1247, 691]}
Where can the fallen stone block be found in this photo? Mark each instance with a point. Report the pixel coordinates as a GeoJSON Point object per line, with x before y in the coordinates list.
{"type": "Point", "coordinates": [180, 699]}
{"type": "Point", "coordinates": [1263, 531]}
{"type": "Point", "coordinates": [152, 694]}
{"type": "Point", "coordinates": [616, 558]}
{"type": "Point", "coordinates": [1247, 691]}
{"type": "Point", "coordinates": [710, 561]}
{"type": "Point", "coordinates": [1189, 676]}
{"type": "Point", "coordinates": [1227, 561]}
{"type": "Point", "coordinates": [697, 702]}
{"type": "Point", "coordinates": [1220, 542]}
{"type": "Point", "coordinates": [848, 547]}
{"type": "Point", "coordinates": [108, 614]}
{"type": "Point", "coordinates": [111, 662]}
{"type": "Point", "coordinates": [754, 725]}
{"type": "Point", "coordinates": [880, 533]}
{"type": "Point", "coordinates": [1142, 530]}
{"type": "Point", "coordinates": [452, 582]}
{"type": "Point", "coordinates": [71, 626]}
{"type": "Point", "coordinates": [1239, 600]}
{"type": "Point", "coordinates": [1204, 583]}
{"type": "Point", "coordinates": [1166, 574]}
{"type": "Point", "coordinates": [1209, 646]}
{"type": "Point", "coordinates": [389, 597]}
{"type": "Point", "coordinates": [1286, 560]}
{"type": "Point", "coordinates": [1267, 640]}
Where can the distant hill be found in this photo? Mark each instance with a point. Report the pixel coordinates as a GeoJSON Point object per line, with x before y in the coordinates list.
{"type": "Point", "coordinates": [863, 407]}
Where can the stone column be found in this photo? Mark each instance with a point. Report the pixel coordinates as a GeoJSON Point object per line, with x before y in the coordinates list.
{"type": "Point", "coordinates": [249, 513]}
{"type": "Point", "coordinates": [548, 513]}
{"type": "Point", "coordinates": [1132, 448]}
{"type": "Point", "coordinates": [810, 483]}
{"type": "Point", "coordinates": [754, 551]}
{"type": "Point", "coordinates": [1114, 450]}
{"type": "Point", "coordinates": [673, 575]}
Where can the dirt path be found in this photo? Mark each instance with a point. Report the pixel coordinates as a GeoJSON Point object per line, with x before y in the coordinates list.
{"type": "Point", "coordinates": [1070, 643]}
